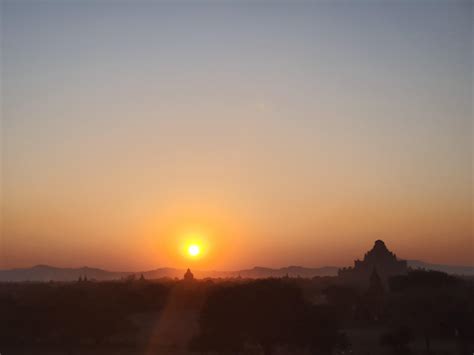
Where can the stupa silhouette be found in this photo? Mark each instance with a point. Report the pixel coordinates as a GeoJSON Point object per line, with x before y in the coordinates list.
{"type": "Point", "coordinates": [188, 276]}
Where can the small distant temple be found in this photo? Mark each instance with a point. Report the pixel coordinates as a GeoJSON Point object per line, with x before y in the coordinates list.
{"type": "Point", "coordinates": [188, 276]}
{"type": "Point", "coordinates": [379, 260]}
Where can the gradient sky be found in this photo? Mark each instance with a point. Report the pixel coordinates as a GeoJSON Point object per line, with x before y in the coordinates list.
{"type": "Point", "coordinates": [282, 132]}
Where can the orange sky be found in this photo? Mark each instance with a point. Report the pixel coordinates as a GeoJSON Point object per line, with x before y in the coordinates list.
{"type": "Point", "coordinates": [282, 135]}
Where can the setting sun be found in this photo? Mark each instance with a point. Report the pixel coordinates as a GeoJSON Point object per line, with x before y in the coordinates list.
{"type": "Point", "coordinates": [194, 250]}
{"type": "Point", "coordinates": [193, 243]}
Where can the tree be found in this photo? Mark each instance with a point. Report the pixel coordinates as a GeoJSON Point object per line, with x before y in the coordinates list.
{"type": "Point", "coordinates": [433, 304]}
{"type": "Point", "coordinates": [268, 313]}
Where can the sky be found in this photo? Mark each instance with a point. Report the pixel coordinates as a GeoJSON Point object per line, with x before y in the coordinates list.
{"type": "Point", "coordinates": [271, 133]}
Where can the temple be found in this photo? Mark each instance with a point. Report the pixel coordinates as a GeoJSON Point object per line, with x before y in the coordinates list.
{"type": "Point", "coordinates": [188, 276]}
{"type": "Point", "coordinates": [379, 259]}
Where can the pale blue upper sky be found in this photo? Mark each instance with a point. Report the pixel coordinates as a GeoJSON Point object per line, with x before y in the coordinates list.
{"type": "Point", "coordinates": [330, 122]}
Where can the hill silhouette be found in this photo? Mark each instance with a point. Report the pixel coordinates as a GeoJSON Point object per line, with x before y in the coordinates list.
{"type": "Point", "coordinates": [44, 273]}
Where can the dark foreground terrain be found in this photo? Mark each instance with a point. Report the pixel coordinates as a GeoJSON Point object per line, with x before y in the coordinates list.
{"type": "Point", "coordinates": [418, 313]}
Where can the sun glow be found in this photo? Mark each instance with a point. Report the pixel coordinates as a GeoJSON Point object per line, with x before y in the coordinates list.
{"type": "Point", "coordinates": [194, 245]}
{"type": "Point", "coordinates": [194, 250]}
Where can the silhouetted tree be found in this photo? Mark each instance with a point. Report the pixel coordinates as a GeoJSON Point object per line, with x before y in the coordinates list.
{"type": "Point", "coordinates": [268, 313]}
{"type": "Point", "coordinates": [430, 302]}
{"type": "Point", "coordinates": [344, 300]}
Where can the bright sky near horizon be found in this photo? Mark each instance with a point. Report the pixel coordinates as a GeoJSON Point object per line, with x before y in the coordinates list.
{"type": "Point", "coordinates": [273, 133]}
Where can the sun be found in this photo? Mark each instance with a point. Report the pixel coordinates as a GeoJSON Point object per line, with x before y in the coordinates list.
{"type": "Point", "coordinates": [194, 245]}
{"type": "Point", "coordinates": [194, 250]}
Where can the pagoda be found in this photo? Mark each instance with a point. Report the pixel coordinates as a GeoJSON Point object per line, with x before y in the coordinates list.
{"type": "Point", "coordinates": [379, 258]}
{"type": "Point", "coordinates": [188, 276]}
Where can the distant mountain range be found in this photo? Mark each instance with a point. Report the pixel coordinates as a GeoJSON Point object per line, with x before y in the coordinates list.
{"type": "Point", "coordinates": [450, 269]}
{"type": "Point", "coordinates": [47, 273]}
